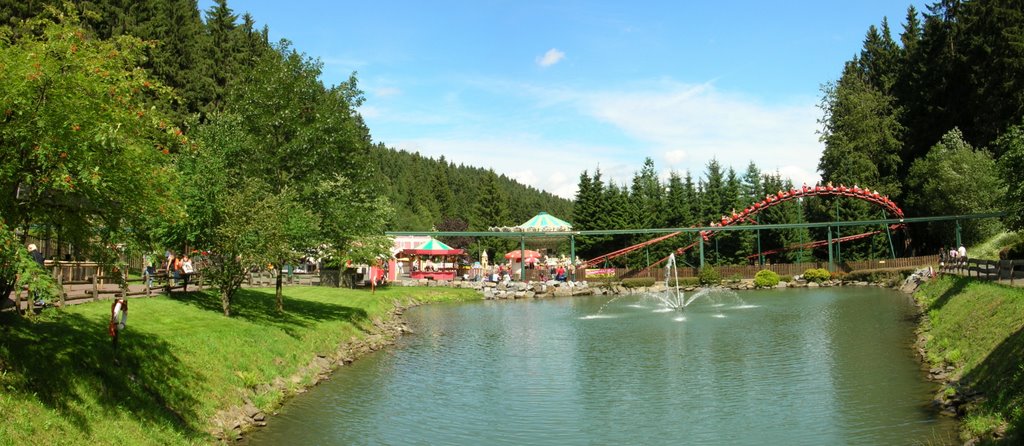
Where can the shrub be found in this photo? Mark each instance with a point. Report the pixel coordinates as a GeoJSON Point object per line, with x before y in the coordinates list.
{"type": "Point", "coordinates": [766, 279]}
{"type": "Point", "coordinates": [708, 276]}
{"type": "Point", "coordinates": [638, 282]}
{"type": "Point", "coordinates": [817, 275]}
{"type": "Point", "coordinates": [785, 278]}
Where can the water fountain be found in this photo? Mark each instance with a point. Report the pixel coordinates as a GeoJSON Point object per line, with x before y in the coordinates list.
{"type": "Point", "coordinates": [673, 298]}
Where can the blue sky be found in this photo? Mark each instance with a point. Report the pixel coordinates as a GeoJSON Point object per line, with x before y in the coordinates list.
{"type": "Point", "coordinates": [543, 90]}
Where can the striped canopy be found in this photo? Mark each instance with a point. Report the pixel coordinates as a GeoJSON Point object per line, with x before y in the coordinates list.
{"type": "Point", "coordinates": [546, 222]}
{"type": "Point", "coordinates": [433, 247]}
{"type": "Point", "coordinates": [542, 222]}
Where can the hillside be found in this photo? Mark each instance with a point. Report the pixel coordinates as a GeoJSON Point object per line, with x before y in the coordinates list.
{"type": "Point", "coordinates": [434, 193]}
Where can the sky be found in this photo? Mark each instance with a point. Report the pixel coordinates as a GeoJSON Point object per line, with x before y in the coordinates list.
{"type": "Point", "coordinates": [542, 91]}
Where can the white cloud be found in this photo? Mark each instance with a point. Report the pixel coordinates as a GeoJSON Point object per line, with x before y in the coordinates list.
{"type": "Point", "coordinates": [680, 126]}
{"type": "Point", "coordinates": [385, 92]}
{"type": "Point", "coordinates": [550, 58]}
{"type": "Point", "coordinates": [673, 157]}
{"type": "Point", "coordinates": [403, 117]}
{"type": "Point", "coordinates": [732, 128]}
{"type": "Point", "coordinates": [369, 111]}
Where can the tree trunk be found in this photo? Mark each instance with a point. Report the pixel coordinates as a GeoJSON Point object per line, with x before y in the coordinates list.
{"type": "Point", "coordinates": [279, 286]}
{"type": "Point", "coordinates": [225, 301]}
{"type": "Point", "coordinates": [17, 299]}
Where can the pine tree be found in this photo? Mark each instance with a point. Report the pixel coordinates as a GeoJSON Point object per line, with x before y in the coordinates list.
{"type": "Point", "coordinates": [492, 211]}
{"type": "Point", "coordinates": [678, 212]}
{"type": "Point", "coordinates": [225, 43]}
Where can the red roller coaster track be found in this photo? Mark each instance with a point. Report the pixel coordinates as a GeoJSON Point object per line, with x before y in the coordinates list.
{"type": "Point", "coordinates": [768, 201]}
{"type": "Point", "coordinates": [819, 243]}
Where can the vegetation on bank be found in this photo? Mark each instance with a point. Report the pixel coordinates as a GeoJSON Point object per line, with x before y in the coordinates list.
{"type": "Point", "coordinates": [766, 278]}
{"type": "Point", "coordinates": [977, 328]}
{"type": "Point", "coordinates": [1005, 245]}
{"type": "Point", "coordinates": [180, 361]}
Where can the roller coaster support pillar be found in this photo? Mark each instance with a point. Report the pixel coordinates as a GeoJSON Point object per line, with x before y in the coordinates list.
{"type": "Point", "coordinates": [958, 242]}
{"type": "Point", "coordinates": [839, 247]}
{"type": "Point", "coordinates": [522, 259]}
{"type": "Point", "coordinates": [831, 263]}
{"type": "Point", "coordinates": [760, 256]}
{"type": "Point", "coordinates": [701, 250]}
{"type": "Point", "coordinates": [572, 256]}
{"type": "Point", "coordinates": [892, 249]}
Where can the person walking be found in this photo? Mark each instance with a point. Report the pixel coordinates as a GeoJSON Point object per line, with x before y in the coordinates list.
{"type": "Point", "coordinates": [148, 269]}
{"type": "Point", "coordinates": [186, 270]}
{"type": "Point", "coordinates": [37, 256]}
{"type": "Point", "coordinates": [169, 269]}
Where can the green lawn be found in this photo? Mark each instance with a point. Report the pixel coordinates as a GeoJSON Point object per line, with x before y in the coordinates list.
{"type": "Point", "coordinates": [989, 249]}
{"type": "Point", "coordinates": [978, 327]}
{"type": "Point", "coordinates": [180, 361]}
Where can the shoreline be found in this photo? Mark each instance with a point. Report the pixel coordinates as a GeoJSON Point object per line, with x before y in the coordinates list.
{"type": "Point", "coordinates": [232, 424]}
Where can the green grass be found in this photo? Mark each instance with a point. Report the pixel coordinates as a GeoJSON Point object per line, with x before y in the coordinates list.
{"type": "Point", "coordinates": [180, 361]}
{"type": "Point", "coordinates": [978, 327]}
{"type": "Point", "coordinates": [989, 249]}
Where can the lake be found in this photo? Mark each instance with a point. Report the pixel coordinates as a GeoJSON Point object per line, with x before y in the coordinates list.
{"type": "Point", "coordinates": [789, 366]}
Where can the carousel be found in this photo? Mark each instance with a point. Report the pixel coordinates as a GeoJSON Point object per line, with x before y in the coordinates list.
{"type": "Point", "coordinates": [543, 230]}
{"type": "Point", "coordinates": [433, 260]}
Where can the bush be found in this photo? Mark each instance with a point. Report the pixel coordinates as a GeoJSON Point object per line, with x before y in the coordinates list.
{"type": "Point", "coordinates": [817, 275]}
{"type": "Point", "coordinates": [638, 282]}
{"type": "Point", "coordinates": [708, 276]}
{"type": "Point", "coordinates": [766, 279]}
{"type": "Point", "coordinates": [735, 278]}
{"type": "Point", "coordinates": [785, 278]}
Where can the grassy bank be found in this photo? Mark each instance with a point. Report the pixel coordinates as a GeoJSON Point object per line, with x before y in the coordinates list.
{"type": "Point", "coordinates": [978, 327]}
{"type": "Point", "coordinates": [180, 361]}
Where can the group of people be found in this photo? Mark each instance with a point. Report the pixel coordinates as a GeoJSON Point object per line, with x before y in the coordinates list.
{"type": "Point", "coordinates": [954, 256]}
{"type": "Point", "coordinates": [503, 274]}
{"type": "Point", "coordinates": [178, 268]}
{"type": "Point", "coordinates": [557, 273]}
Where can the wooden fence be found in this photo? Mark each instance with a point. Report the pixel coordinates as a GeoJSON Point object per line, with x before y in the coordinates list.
{"type": "Point", "coordinates": [1011, 270]}
{"type": "Point", "coordinates": [267, 278]}
{"type": "Point", "coordinates": [88, 281]}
